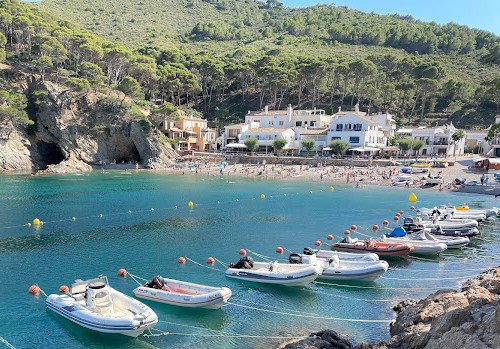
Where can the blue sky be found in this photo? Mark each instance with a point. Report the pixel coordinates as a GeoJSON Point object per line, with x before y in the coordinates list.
{"type": "Point", "coordinates": [482, 14]}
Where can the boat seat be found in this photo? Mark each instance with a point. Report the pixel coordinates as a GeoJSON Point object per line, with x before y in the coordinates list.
{"type": "Point", "coordinates": [103, 303]}
{"type": "Point", "coordinates": [79, 297]}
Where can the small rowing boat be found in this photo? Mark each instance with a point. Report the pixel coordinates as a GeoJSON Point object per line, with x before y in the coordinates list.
{"type": "Point", "coordinates": [184, 294]}
{"type": "Point", "coordinates": [274, 273]}
{"type": "Point", "coordinates": [97, 306]}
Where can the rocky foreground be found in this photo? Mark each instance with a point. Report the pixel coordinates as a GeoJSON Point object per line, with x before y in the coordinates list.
{"type": "Point", "coordinates": [447, 319]}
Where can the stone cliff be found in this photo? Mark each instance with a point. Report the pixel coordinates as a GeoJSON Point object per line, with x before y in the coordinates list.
{"type": "Point", "coordinates": [77, 130]}
{"type": "Point", "coordinates": [447, 319]}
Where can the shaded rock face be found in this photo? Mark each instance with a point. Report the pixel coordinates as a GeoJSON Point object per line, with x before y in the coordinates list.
{"type": "Point", "coordinates": [327, 339]}
{"type": "Point", "coordinates": [76, 131]}
{"type": "Point", "coordinates": [447, 319]}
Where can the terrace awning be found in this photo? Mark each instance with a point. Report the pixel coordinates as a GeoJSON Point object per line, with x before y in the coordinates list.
{"type": "Point", "coordinates": [236, 145]}
{"type": "Point", "coordinates": [364, 149]}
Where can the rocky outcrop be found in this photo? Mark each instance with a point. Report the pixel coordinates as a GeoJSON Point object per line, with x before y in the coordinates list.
{"type": "Point", "coordinates": [14, 153]}
{"type": "Point", "coordinates": [447, 319]}
{"type": "Point", "coordinates": [76, 131]}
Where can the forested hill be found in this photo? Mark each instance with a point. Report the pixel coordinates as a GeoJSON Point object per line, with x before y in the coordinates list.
{"type": "Point", "coordinates": [224, 57]}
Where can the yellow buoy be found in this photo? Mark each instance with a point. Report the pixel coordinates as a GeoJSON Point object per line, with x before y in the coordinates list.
{"type": "Point", "coordinates": [332, 188]}
{"type": "Point", "coordinates": [412, 198]}
{"type": "Point", "coordinates": [36, 221]}
{"type": "Point", "coordinates": [190, 204]}
{"type": "Point", "coordinates": [262, 196]}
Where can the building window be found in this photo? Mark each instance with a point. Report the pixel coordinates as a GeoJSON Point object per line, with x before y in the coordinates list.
{"type": "Point", "coordinates": [357, 127]}
{"type": "Point", "coordinates": [334, 138]}
{"type": "Point", "coordinates": [281, 123]}
{"type": "Point", "coordinates": [312, 123]}
{"type": "Point", "coordinates": [298, 123]}
{"type": "Point", "coordinates": [354, 140]}
{"type": "Point", "coordinates": [339, 127]}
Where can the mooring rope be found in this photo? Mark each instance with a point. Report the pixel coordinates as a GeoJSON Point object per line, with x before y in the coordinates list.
{"type": "Point", "coordinates": [373, 287]}
{"type": "Point", "coordinates": [312, 316]}
{"type": "Point", "coordinates": [429, 279]}
{"type": "Point", "coordinates": [4, 341]}
{"type": "Point", "coordinates": [229, 335]}
{"type": "Point", "coordinates": [201, 265]}
{"type": "Point", "coordinates": [135, 277]}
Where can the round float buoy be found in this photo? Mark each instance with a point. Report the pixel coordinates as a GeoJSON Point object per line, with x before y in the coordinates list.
{"type": "Point", "coordinates": [329, 237]}
{"type": "Point", "coordinates": [210, 260]}
{"type": "Point", "coordinates": [317, 243]}
{"type": "Point", "coordinates": [122, 272]}
{"type": "Point", "coordinates": [412, 197]}
{"type": "Point", "coordinates": [36, 221]}
{"type": "Point", "coordinates": [262, 196]}
{"type": "Point", "coordinates": [396, 218]}
{"type": "Point", "coordinates": [397, 214]}
{"type": "Point", "coordinates": [385, 222]}
{"type": "Point", "coordinates": [347, 232]}
{"type": "Point", "coordinates": [64, 289]}
{"type": "Point", "coordinates": [34, 289]}
{"type": "Point", "coordinates": [412, 208]}
{"type": "Point", "coordinates": [279, 249]}
{"type": "Point", "coordinates": [181, 260]}
{"type": "Point", "coordinates": [401, 212]}
{"type": "Point", "coordinates": [418, 211]}
{"type": "Point", "coordinates": [243, 252]}
{"type": "Point", "coordinates": [354, 227]}
{"type": "Point", "coordinates": [73, 218]}
{"type": "Point", "coordinates": [190, 204]}
{"type": "Point", "coordinates": [375, 227]}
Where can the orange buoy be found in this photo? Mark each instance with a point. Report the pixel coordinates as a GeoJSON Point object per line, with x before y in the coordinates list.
{"type": "Point", "coordinates": [375, 227]}
{"type": "Point", "coordinates": [210, 260]}
{"type": "Point", "coordinates": [347, 232]}
{"type": "Point", "coordinates": [354, 227]}
{"type": "Point", "coordinates": [401, 212]}
{"type": "Point", "coordinates": [122, 272]}
{"type": "Point", "coordinates": [34, 289]}
{"type": "Point", "coordinates": [181, 260]}
{"type": "Point", "coordinates": [64, 289]}
{"type": "Point", "coordinates": [385, 222]}
{"type": "Point", "coordinates": [329, 237]}
{"type": "Point", "coordinates": [418, 211]}
{"type": "Point", "coordinates": [279, 249]}
{"type": "Point", "coordinates": [317, 243]}
{"type": "Point", "coordinates": [243, 252]}
{"type": "Point", "coordinates": [397, 214]}
{"type": "Point", "coordinates": [396, 218]}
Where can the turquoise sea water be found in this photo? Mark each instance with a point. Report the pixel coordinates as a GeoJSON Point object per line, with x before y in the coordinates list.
{"type": "Point", "coordinates": [228, 215]}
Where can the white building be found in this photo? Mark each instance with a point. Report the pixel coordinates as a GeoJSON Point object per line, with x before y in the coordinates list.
{"type": "Point", "coordinates": [360, 130]}
{"type": "Point", "coordinates": [475, 140]}
{"type": "Point", "coordinates": [289, 118]}
{"type": "Point", "coordinates": [267, 135]}
{"type": "Point", "coordinates": [318, 135]}
{"type": "Point", "coordinates": [437, 140]}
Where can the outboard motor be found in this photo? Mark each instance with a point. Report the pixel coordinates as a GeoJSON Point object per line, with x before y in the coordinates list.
{"type": "Point", "coordinates": [157, 282]}
{"type": "Point", "coordinates": [308, 251]}
{"type": "Point", "coordinates": [244, 263]}
{"type": "Point", "coordinates": [295, 258]}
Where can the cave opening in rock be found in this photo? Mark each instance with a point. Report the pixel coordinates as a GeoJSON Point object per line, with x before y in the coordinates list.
{"type": "Point", "coordinates": [131, 156]}
{"type": "Point", "coordinates": [50, 153]}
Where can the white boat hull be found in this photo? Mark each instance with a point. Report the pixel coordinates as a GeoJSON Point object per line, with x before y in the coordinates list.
{"type": "Point", "coordinates": [347, 256]}
{"type": "Point", "coordinates": [281, 274]}
{"type": "Point", "coordinates": [420, 246]}
{"type": "Point", "coordinates": [186, 294]}
{"type": "Point", "coordinates": [121, 321]}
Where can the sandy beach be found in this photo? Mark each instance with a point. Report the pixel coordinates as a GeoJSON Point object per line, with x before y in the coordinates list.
{"type": "Point", "coordinates": [346, 175]}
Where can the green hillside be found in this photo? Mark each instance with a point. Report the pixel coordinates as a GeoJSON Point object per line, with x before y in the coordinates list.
{"type": "Point", "coordinates": [224, 57]}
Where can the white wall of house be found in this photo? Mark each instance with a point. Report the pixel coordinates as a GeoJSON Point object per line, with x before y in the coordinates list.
{"type": "Point", "coordinates": [357, 130]}
{"type": "Point", "coordinates": [437, 140]}
{"type": "Point", "coordinates": [266, 136]}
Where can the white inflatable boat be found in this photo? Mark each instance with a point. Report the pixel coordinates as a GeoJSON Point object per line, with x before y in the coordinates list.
{"type": "Point", "coordinates": [184, 294]}
{"type": "Point", "coordinates": [274, 273]}
{"type": "Point", "coordinates": [347, 270]}
{"type": "Point", "coordinates": [97, 306]}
